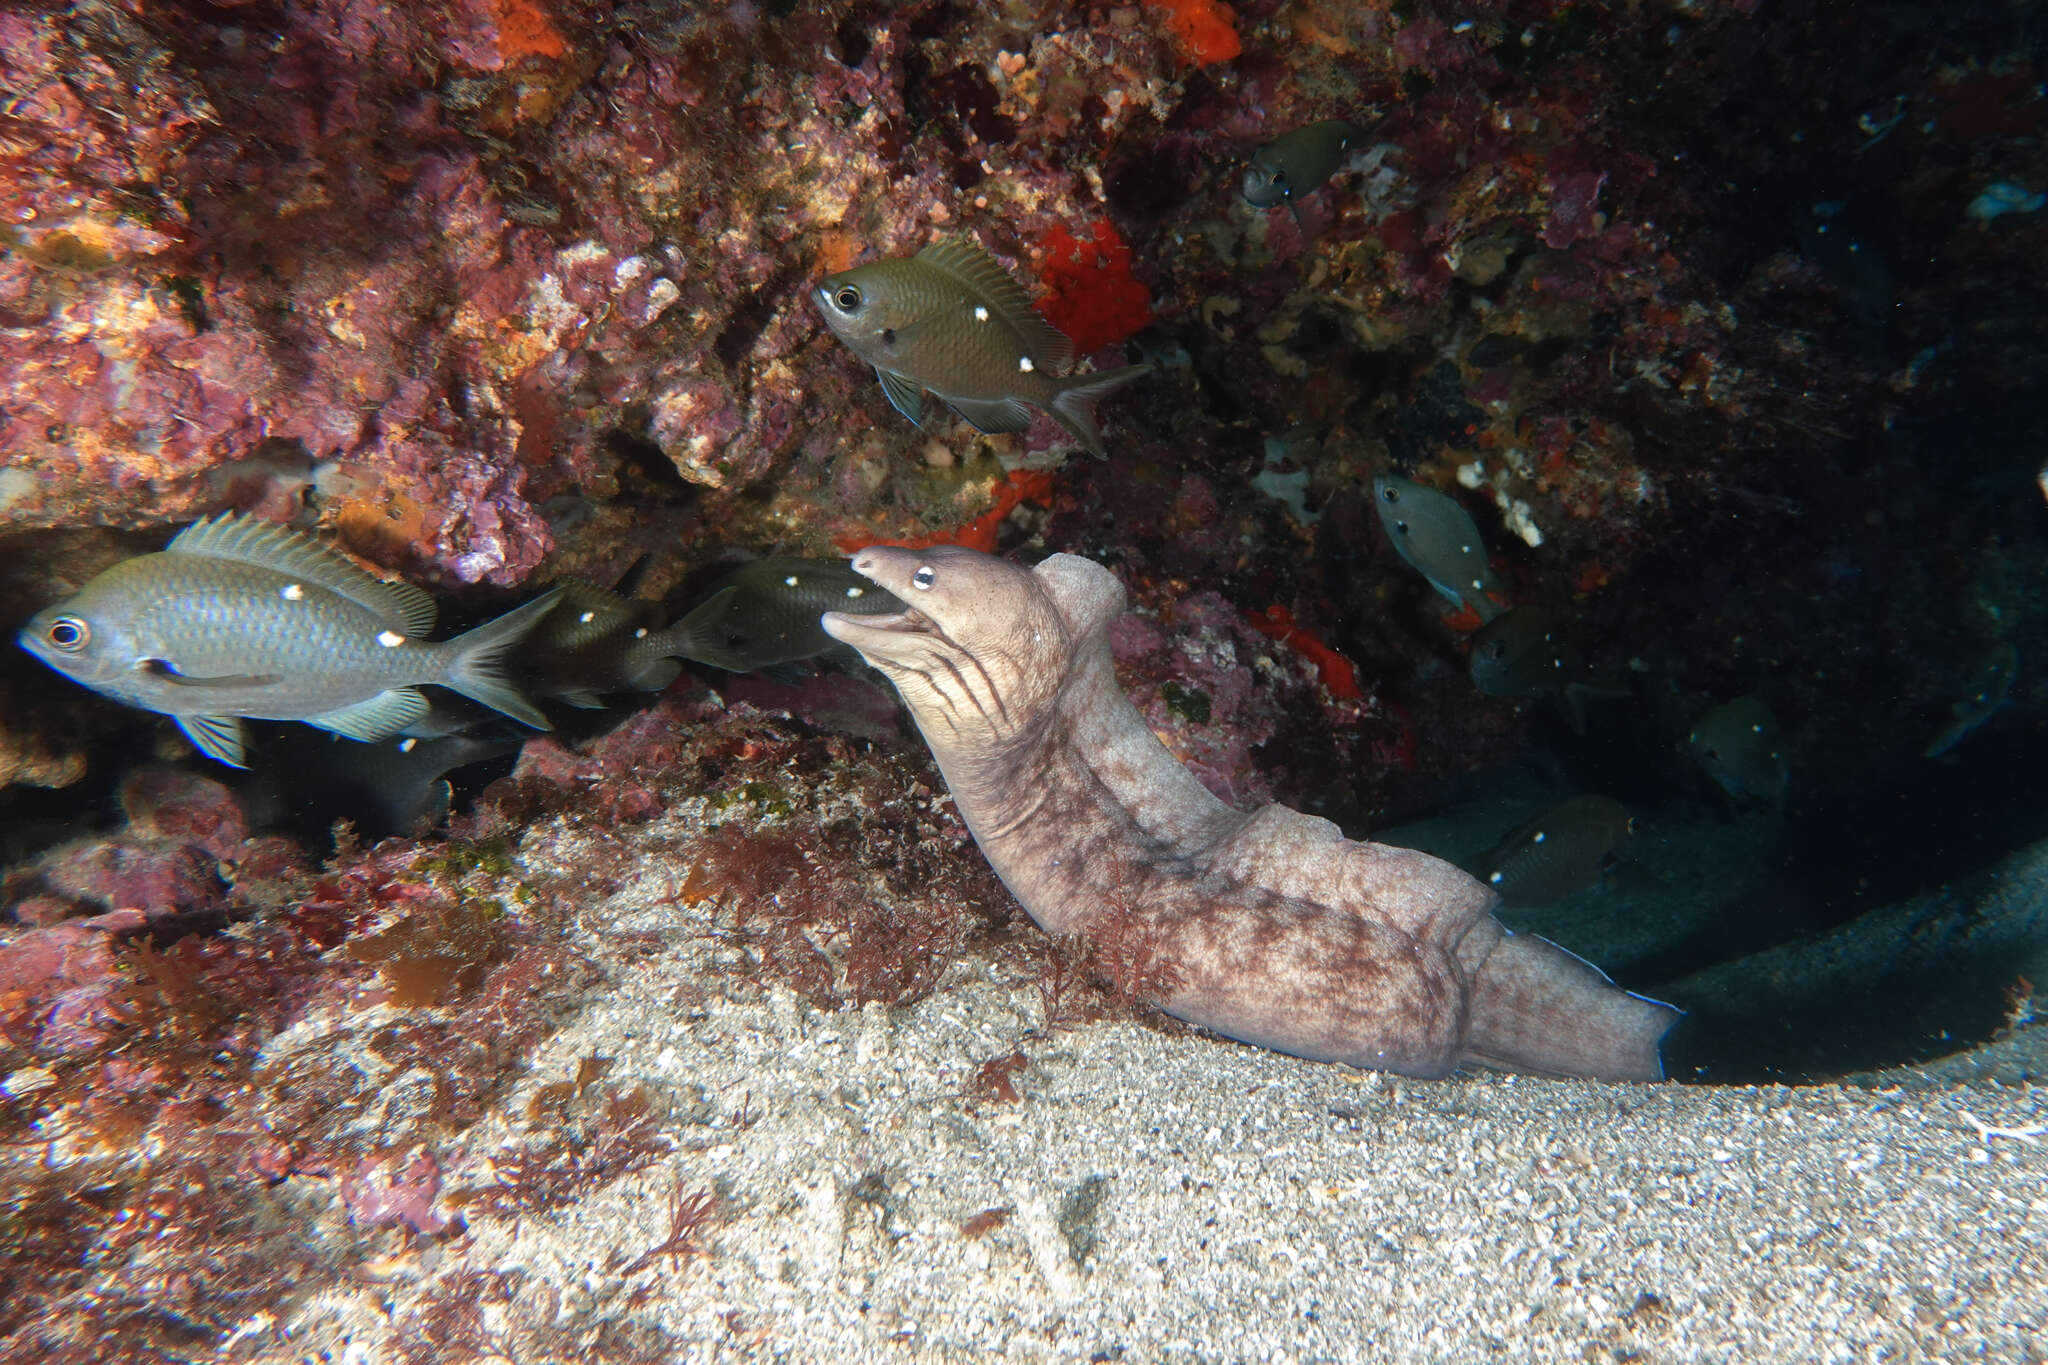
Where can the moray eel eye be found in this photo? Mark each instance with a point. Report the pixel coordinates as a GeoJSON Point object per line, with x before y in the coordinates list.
{"type": "Point", "coordinates": [1392, 495]}
{"type": "Point", "coordinates": [847, 299]}
{"type": "Point", "coordinates": [69, 634]}
{"type": "Point", "coordinates": [923, 578]}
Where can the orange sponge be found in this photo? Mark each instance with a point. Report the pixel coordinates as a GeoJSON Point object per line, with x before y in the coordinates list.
{"type": "Point", "coordinates": [1207, 29]}
{"type": "Point", "coordinates": [1091, 295]}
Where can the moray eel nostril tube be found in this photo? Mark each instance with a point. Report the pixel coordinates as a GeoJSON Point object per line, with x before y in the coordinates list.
{"type": "Point", "coordinates": [1279, 931]}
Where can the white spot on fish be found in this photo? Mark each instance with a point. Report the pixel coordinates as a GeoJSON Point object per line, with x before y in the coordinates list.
{"type": "Point", "coordinates": [640, 634]}
{"type": "Point", "coordinates": [789, 582]}
{"type": "Point", "coordinates": [292, 592]}
{"type": "Point", "coordinates": [587, 617]}
{"type": "Point", "coordinates": [855, 592]}
{"type": "Point", "coordinates": [390, 639]}
{"type": "Point", "coordinates": [405, 745]}
{"type": "Point", "coordinates": [1540, 837]}
{"type": "Point", "coordinates": [980, 313]}
{"type": "Point", "coordinates": [1495, 879]}
{"type": "Point", "coordinates": [1024, 364]}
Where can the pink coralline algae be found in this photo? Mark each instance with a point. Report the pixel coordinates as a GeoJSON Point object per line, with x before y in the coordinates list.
{"type": "Point", "coordinates": [395, 1188]}
{"type": "Point", "coordinates": [1573, 195]}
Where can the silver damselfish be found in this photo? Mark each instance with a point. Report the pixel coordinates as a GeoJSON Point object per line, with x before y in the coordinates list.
{"type": "Point", "coordinates": [239, 618]}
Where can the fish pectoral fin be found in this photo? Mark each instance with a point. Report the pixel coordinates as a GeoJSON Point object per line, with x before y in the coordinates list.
{"type": "Point", "coordinates": [582, 698]}
{"type": "Point", "coordinates": [906, 395]}
{"type": "Point", "coordinates": [167, 672]}
{"type": "Point", "coordinates": [992, 416]}
{"type": "Point", "coordinates": [381, 716]}
{"type": "Point", "coordinates": [218, 737]}
{"type": "Point", "coordinates": [656, 676]}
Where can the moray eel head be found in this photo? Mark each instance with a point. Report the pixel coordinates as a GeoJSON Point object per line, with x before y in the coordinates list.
{"type": "Point", "coordinates": [978, 655]}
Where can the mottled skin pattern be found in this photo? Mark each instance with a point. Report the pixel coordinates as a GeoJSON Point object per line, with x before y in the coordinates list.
{"type": "Point", "coordinates": [1278, 930]}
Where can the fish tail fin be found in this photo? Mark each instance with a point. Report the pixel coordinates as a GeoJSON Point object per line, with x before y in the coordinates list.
{"type": "Point", "coordinates": [1073, 407]}
{"type": "Point", "coordinates": [476, 666]}
{"type": "Point", "coordinates": [1538, 1008]}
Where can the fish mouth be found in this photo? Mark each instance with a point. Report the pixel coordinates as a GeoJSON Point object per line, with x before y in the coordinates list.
{"type": "Point", "coordinates": [848, 628]}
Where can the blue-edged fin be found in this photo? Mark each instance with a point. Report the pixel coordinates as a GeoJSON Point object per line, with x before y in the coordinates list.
{"type": "Point", "coordinates": [905, 395]}
{"type": "Point", "coordinates": [993, 415]}
{"type": "Point", "coordinates": [984, 276]}
{"type": "Point", "coordinates": [249, 540]}
{"type": "Point", "coordinates": [380, 717]}
{"type": "Point", "coordinates": [1529, 984]}
{"type": "Point", "coordinates": [218, 737]}
{"type": "Point", "coordinates": [476, 661]}
{"type": "Point", "coordinates": [1073, 407]}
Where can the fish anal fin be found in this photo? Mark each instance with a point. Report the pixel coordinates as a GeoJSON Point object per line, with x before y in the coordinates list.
{"type": "Point", "coordinates": [964, 259]}
{"type": "Point", "coordinates": [378, 718]}
{"type": "Point", "coordinates": [218, 737]}
{"type": "Point", "coordinates": [993, 415]}
{"type": "Point", "coordinates": [251, 540]}
{"type": "Point", "coordinates": [906, 395]}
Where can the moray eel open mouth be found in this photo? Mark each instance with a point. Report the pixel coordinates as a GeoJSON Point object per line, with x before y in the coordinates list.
{"type": "Point", "coordinates": [897, 636]}
{"type": "Point", "coordinates": [909, 621]}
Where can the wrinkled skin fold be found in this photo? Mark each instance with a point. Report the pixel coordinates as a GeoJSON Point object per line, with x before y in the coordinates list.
{"type": "Point", "coordinates": [1272, 927]}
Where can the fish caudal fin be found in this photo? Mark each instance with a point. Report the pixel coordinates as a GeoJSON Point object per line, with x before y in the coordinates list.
{"type": "Point", "coordinates": [1073, 407]}
{"type": "Point", "coordinates": [476, 666]}
{"type": "Point", "coordinates": [1538, 1008]}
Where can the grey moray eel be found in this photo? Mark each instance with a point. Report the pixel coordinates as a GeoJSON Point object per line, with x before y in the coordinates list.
{"type": "Point", "coordinates": [1279, 931]}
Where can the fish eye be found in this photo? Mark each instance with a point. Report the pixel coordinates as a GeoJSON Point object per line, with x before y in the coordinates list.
{"type": "Point", "coordinates": [1279, 177]}
{"type": "Point", "coordinates": [68, 633]}
{"type": "Point", "coordinates": [923, 578]}
{"type": "Point", "coordinates": [847, 298]}
{"type": "Point", "coordinates": [1391, 494]}
{"type": "Point", "coordinates": [1634, 826]}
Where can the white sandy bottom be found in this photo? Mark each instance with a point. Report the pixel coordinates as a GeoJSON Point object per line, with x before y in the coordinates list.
{"type": "Point", "coordinates": [1247, 1206]}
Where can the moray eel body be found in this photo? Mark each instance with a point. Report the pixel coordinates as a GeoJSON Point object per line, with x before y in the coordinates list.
{"type": "Point", "coordinates": [1278, 930]}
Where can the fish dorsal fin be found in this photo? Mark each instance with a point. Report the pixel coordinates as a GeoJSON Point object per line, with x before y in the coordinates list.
{"type": "Point", "coordinates": [249, 540]}
{"type": "Point", "coordinates": [965, 261]}
{"type": "Point", "coordinates": [583, 616]}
